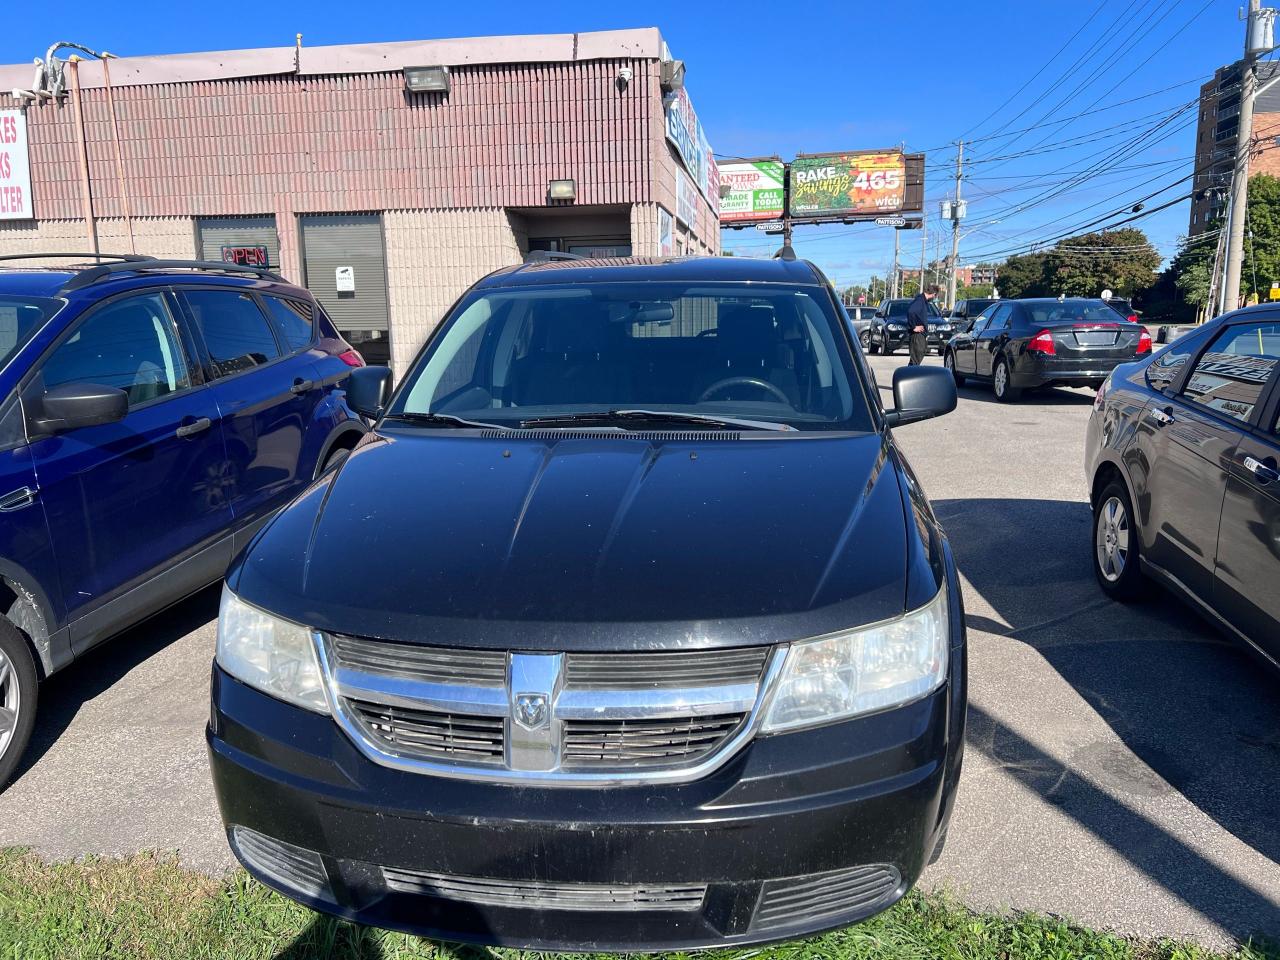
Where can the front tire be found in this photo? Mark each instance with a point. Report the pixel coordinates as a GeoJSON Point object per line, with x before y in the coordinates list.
{"type": "Point", "coordinates": [18, 698]}
{"type": "Point", "coordinates": [1005, 392]}
{"type": "Point", "coordinates": [1116, 561]}
{"type": "Point", "coordinates": [949, 361]}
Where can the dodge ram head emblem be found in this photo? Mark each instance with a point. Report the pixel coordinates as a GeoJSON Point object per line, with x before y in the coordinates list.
{"type": "Point", "coordinates": [531, 710]}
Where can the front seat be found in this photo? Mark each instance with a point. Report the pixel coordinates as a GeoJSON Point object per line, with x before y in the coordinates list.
{"type": "Point", "coordinates": [573, 360]}
{"type": "Point", "coordinates": [749, 344]}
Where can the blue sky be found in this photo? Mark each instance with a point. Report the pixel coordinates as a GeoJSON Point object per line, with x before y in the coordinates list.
{"type": "Point", "coordinates": [811, 77]}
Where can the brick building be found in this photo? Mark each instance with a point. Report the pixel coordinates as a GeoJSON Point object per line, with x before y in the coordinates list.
{"type": "Point", "coordinates": [1216, 128]}
{"type": "Point", "coordinates": [386, 202]}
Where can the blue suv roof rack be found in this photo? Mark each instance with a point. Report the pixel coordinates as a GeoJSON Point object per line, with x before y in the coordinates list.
{"type": "Point", "coordinates": [91, 275]}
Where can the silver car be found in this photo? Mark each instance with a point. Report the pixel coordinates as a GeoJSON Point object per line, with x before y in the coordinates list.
{"type": "Point", "coordinates": [860, 322]}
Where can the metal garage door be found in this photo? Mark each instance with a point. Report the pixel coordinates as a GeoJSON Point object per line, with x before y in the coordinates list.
{"type": "Point", "coordinates": [239, 236]}
{"type": "Point", "coordinates": [346, 270]}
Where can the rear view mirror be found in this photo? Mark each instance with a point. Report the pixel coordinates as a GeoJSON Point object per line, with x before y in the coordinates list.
{"type": "Point", "coordinates": [368, 389]}
{"type": "Point", "coordinates": [920, 393]}
{"type": "Point", "coordinates": [71, 406]}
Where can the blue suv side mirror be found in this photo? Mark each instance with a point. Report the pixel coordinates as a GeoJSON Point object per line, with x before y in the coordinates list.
{"type": "Point", "coordinates": [920, 393]}
{"type": "Point", "coordinates": [70, 406]}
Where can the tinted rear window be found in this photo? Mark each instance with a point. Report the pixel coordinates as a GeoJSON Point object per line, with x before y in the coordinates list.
{"type": "Point", "coordinates": [1045, 312]}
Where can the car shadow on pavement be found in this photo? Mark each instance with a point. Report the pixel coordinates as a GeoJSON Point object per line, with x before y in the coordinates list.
{"type": "Point", "coordinates": [62, 695]}
{"type": "Point", "coordinates": [1039, 397]}
{"type": "Point", "coordinates": [1194, 711]}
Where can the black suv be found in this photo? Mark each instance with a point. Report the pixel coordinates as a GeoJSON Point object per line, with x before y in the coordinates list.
{"type": "Point", "coordinates": [627, 627]}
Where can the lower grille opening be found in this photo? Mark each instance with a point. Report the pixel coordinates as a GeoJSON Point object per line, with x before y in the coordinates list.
{"type": "Point", "coordinates": [295, 868]}
{"type": "Point", "coordinates": [813, 898]}
{"type": "Point", "coordinates": [429, 735]}
{"type": "Point", "coordinates": [590, 744]}
{"type": "Point", "coordinates": [538, 895]}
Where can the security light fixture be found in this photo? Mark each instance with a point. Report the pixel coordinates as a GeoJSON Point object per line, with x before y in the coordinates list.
{"type": "Point", "coordinates": [671, 76]}
{"type": "Point", "coordinates": [426, 79]}
{"type": "Point", "coordinates": [562, 190]}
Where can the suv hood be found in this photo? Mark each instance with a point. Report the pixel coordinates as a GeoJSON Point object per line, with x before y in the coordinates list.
{"type": "Point", "coordinates": [572, 542]}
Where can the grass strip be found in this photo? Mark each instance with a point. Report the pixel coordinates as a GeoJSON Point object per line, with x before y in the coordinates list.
{"type": "Point", "coordinates": [147, 906]}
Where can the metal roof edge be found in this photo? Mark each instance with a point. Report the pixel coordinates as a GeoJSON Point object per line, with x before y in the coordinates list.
{"type": "Point", "coordinates": [360, 58]}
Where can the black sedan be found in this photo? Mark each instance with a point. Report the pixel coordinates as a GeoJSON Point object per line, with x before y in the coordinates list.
{"type": "Point", "coordinates": [1183, 460]}
{"type": "Point", "coordinates": [889, 330]}
{"type": "Point", "coordinates": [1022, 344]}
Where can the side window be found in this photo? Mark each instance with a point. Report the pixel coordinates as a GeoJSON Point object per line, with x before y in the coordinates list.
{"type": "Point", "coordinates": [1230, 376]}
{"type": "Point", "coordinates": [999, 319]}
{"type": "Point", "coordinates": [292, 320]}
{"type": "Point", "coordinates": [130, 344]}
{"type": "Point", "coordinates": [235, 330]}
{"type": "Point", "coordinates": [1168, 364]}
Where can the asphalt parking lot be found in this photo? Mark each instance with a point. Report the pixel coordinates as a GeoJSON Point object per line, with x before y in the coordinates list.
{"type": "Point", "coordinates": [1122, 768]}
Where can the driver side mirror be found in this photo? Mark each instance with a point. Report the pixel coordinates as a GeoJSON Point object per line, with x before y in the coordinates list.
{"type": "Point", "coordinates": [368, 389]}
{"type": "Point", "coordinates": [921, 393]}
{"type": "Point", "coordinates": [71, 406]}
{"type": "Point", "coordinates": [880, 314]}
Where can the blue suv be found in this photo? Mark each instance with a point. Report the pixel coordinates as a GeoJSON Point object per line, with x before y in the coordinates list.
{"type": "Point", "coordinates": [154, 414]}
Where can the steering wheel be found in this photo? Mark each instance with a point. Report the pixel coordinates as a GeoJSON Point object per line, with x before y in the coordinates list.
{"type": "Point", "coordinates": [764, 385]}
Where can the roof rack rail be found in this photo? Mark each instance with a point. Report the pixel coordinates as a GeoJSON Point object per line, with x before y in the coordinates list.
{"type": "Point", "coordinates": [128, 257]}
{"type": "Point", "coordinates": [546, 256]}
{"type": "Point", "coordinates": [101, 271]}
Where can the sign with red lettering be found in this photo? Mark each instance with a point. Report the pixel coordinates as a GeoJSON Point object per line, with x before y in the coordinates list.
{"type": "Point", "coordinates": [15, 167]}
{"type": "Point", "coordinates": [246, 256]}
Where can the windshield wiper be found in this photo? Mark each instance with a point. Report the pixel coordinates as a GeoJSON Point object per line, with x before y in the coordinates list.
{"type": "Point", "coordinates": [444, 420]}
{"type": "Point", "coordinates": [652, 416]}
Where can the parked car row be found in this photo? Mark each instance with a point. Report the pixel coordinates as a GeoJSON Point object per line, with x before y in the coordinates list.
{"type": "Point", "coordinates": [153, 416]}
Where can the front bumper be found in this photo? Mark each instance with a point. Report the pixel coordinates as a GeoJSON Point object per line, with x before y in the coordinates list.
{"type": "Point", "coordinates": [796, 834]}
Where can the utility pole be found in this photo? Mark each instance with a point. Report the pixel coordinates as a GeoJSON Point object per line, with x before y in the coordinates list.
{"type": "Point", "coordinates": [897, 244]}
{"type": "Point", "coordinates": [956, 214]}
{"type": "Point", "coordinates": [924, 251]}
{"type": "Point", "coordinates": [1258, 39]}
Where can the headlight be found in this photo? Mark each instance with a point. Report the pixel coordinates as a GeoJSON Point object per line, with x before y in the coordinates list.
{"type": "Point", "coordinates": [273, 655]}
{"type": "Point", "coordinates": [863, 670]}
{"type": "Point", "coordinates": [896, 326]}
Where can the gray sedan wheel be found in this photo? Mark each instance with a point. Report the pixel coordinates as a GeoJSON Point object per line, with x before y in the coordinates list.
{"type": "Point", "coordinates": [1115, 544]}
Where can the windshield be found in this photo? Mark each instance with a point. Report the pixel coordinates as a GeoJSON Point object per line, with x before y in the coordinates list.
{"type": "Point", "coordinates": [898, 308]}
{"type": "Point", "coordinates": [975, 307]}
{"type": "Point", "coordinates": [758, 352]}
{"type": "Point", "coordinates": [20, 318]}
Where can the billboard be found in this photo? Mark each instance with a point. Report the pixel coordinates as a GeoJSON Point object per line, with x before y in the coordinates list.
{"type": "Point", "coordinates": [15, 167]}
{"type": "Point", "coordinates": [756, 191]}
{"type": "Point", "coordinates": [849, 184]}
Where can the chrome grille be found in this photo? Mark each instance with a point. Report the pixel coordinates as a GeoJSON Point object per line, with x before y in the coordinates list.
{"type": "Point", "coordinates": [824, 896]}
{"type": "Point", "coordinates": [573, 718]}
{"type": "Point", "coordinates": [481, 668]}
{"type": "Point", "coordinates": [681, 669]}
{"type": "Point", "coordinates": [536, 895]}
{"type": "Point", "coordinates": [430, 735]}
{"type": "Point", "coordinates": [644, 743]}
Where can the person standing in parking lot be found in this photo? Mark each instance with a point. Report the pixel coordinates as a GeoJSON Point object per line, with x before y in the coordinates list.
{"type": "Point", "coordinates": [918, 323]}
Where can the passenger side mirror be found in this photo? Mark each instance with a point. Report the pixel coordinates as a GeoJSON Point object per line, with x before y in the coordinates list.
{"type": "Point", "coordinates": [70, 406]}
{"type": "Point", "coordinates": [920, 393]}
{"type": "Point", "coordinates": [368, 389]}
{"type": "Point", "coordinates": [880, 314]}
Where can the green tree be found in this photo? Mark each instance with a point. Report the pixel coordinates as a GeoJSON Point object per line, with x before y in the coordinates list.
{"type": "Point", "coordinates": [973, 291]}
{"type": "Point", "coordinates": [1262, 241]}
{"type": "Point", "coordinates": [1024, 276]}
{"type": "Point", "coordinates": [1123, 261]}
